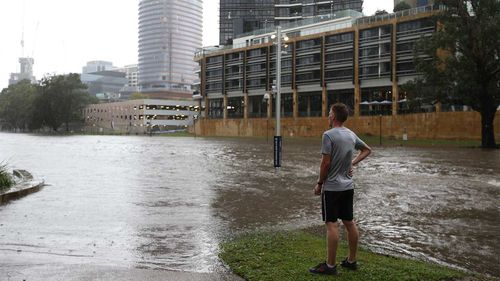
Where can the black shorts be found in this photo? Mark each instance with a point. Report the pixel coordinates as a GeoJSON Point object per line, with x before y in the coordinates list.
{"type": "Point", "coordinates": [337, 205]}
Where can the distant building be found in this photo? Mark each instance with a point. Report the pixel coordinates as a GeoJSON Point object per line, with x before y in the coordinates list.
{"type": "Point", "coordinates": [170, 31]}
{"type": "Point", "coordinates": [26, 72]}
{"type": "Point", "coordinates": [140, 116]}
{"type": "Point", "coordinates": [98, 65]}
{"type": "Point", "coordinates": [106, 85]}
{"type": "Point", "coordinates": [131, 75]}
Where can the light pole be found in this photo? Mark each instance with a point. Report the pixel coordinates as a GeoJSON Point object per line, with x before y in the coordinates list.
{"type": "Point", "coordinates": [277, 137]}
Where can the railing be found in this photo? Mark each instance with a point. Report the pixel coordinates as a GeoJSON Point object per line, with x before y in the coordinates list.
{"type": "Point", "coordinates": [404, 13]}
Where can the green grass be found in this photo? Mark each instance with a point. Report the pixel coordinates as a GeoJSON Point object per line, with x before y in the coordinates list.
{"type": "Point", "coordinates": [288, 255]}
{"type": "Point", "coordinates": [387, 141]}
{"type": "Point", "coordinates": [5, 178]}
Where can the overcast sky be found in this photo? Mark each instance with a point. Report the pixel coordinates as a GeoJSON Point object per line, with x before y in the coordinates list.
{"type": "Point", "coordinates": [63, 35]}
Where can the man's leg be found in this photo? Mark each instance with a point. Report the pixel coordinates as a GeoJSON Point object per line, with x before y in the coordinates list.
{"type": "Point", "coordinates": [352, 238]}
{"type": "Point", "coordinates": [332, 241]}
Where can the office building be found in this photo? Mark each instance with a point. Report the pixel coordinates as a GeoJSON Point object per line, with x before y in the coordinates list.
{"type": "Point", "coordinates": [292, 10]}
{"type": "Point", "coordinates": [105, 85]}
{"type": "Point", "coordinates": [360, 61]}
{"type": "Point", "coordinates": [237, 17]}
{"type": "Point", "coordinates": [170, 31]}
{"type": "Point", "coordinates": [96, 66]}
{"type": "Point", "coordinates": [240, 17]}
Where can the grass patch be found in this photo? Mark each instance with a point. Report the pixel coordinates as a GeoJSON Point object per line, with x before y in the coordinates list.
{"type": "Point", "coordinates": [288, 256]}
{"type": "Point", "coordinates": [6, 180]}
{"type": "Point", "coordinates": [388, 141]}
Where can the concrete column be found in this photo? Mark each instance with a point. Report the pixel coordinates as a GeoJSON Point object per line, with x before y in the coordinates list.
{"type": "Point", "coordinates": [206, 107]}
{"type": "Point", "coordinates": [438, 106]}
{"type": "Point", "coordinates": [224, 109]}
{"type": "Point", "coordinates": [357, 100]}
{"type": "Point", "coordinates": [394, 78]}
{"type": "Point", "coordinates": [295, 98]}
{"type": "Point", "coordinates": [245, 106]}
{"type": "Point", "coordinates": [395, 97]}
{"type": "Point", "coordinates": [324, 102]}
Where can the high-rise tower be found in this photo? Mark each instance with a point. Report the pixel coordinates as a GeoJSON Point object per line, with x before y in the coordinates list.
{"type": "Point", "coordinates": [240, 16]}
{"type": "Point", "coordinates": [170, 31]}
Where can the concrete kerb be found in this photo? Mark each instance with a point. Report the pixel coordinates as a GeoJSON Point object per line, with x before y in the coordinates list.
{"type": "Point", "coordinates": [25, 186]}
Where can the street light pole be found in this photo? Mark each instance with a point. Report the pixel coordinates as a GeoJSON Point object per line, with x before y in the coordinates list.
{"type": "Point", "coordinates": [277, 137]}
{"type": "Point", "coordinates": [278, 83]}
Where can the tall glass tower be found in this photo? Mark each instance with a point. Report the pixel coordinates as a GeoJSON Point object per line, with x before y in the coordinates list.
{"type": "Point", "coordinates": [241, 16]}
{"type": "Point", "coordinates": [169, 33]}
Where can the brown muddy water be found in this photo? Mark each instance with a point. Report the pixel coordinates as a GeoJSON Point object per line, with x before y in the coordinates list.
{"type": "Point", "coordinates": [166, 203]}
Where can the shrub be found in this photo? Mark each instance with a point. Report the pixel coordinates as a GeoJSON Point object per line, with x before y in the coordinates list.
{"type": "Point", "coordinates": [5, 178]}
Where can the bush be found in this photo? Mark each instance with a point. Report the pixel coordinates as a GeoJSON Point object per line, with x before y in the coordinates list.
{"type": "Point", "coordinates": [5, 178]}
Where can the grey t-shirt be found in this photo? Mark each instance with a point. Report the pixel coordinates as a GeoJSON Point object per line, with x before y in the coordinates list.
{"type": "Point", "coordinates": [340, 143]}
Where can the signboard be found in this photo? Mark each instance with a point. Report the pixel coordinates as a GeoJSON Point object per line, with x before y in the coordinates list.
{"type": "Point", "coordinates": [277, 151]}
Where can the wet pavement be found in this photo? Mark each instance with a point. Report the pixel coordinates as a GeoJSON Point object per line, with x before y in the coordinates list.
{"type": "Point", "coordinates": [151, 205]}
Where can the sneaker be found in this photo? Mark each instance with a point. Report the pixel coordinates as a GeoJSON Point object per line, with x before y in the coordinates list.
{"type": "Point", "coordinates": [323, 268]}
{"type": "Point", "coordinates": [350, 265]}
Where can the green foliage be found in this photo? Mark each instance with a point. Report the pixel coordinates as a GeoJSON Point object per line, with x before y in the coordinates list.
{"type": "Point", "coordinates": [288, 255]}
{"type": "Point", "coordinates": [380, 12]}
{"type": "Point", "coordinates": [463, 60]}
{"type": "Point", "coordinates": [16, 104]}
{"type": "Point", "coordinates": [56, 100]}
{"type": "Point", "coordinates": [5, 178]}
{"type": "Point", "coordinates": [138, 96]}
{"type": "Point", "coordinates": [401, 6]}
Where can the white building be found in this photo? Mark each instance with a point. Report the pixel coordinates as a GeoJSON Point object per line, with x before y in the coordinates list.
{"type": "Point", "coordinates": [140, 116]}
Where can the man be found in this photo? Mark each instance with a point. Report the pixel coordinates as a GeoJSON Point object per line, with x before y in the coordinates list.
{"type": "Point", "coordinates": [336, 187]}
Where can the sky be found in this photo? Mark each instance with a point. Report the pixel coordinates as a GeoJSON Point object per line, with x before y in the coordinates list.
{"type": "Point", "coordinates": [63, 35]}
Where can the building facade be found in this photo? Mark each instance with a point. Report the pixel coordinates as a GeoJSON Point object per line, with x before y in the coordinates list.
{"type": "Point", "coordinates": [96, 66]}
{"type": "Point", "coordinates": [140, 116]}
{"type": "Point", "coordinates": [105, 85]}
{"type": "Point", "coordinates": [360, 61]}
{"type": "Point", "coordinates": [292, 10]}
{"type": "Point", "coordinates": [240, 17]}
{"type": "Point", "coordinates": [170, 31]}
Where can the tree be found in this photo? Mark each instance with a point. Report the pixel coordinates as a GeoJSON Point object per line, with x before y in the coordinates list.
{"type": "Point", "coordinates": [380, 12]}
{"type": "Point", "coordinates": [61, 100]}
{"type": "Point", "coordinates": [464, 60]}
{"type": "Point", "coordinates": [16, 104]}
{"type": "Point", "coordinates": [401, 6]}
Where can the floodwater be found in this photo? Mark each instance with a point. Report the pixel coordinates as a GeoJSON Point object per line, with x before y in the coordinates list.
{"type": "Point", "coordinates": [166, 202]}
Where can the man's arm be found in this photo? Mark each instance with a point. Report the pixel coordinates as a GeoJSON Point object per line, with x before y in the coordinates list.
{"type": "Point", "coordinates": [365, 151]}
{"type": "Point", "coordinates": [323, 172]}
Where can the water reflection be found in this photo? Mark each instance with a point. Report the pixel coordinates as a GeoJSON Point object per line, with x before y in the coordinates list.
{"type": "Point", "coordinates": [166, 202]}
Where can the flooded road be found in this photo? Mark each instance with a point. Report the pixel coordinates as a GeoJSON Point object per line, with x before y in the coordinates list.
{"type": "Point", "coordinates": [166, 203]}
